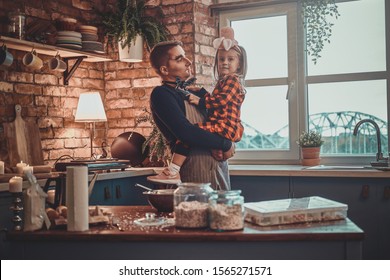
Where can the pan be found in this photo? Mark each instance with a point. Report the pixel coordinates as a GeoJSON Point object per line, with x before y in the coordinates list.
{"type": "Point", "coordinates": [161, 200]}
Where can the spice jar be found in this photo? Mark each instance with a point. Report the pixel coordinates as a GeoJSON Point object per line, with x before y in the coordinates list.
{"type": "Point", "coordinates": [191, 205]}
{"type": "Point", "coordinates": [16, 27]}
{"type": "Point", "coordinates": [226, 210]}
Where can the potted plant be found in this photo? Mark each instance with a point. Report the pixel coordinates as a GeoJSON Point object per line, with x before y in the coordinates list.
{"type": "Point", "coordinates": [129, 24]}
{"type": "Point", "coordinates": [316, 15]}
{"type": "Point", "coordinates": [159, 152]}
{"type": "Point", "coordinates": [310, 143]}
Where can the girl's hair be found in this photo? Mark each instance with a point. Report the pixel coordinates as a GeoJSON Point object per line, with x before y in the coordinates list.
{"type": "Point", "coordinates": [243, 64]}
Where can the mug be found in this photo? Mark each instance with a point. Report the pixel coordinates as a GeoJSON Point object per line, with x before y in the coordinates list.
{"type": "Point", "coordinates": [32, 61]}
{"type": "Point", "coordinates": [56, 64]}
{"type": "Point", "coordinates": [6, 57]}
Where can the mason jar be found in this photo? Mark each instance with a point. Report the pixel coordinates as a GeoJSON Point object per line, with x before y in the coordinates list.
{"type": "Point", "coordinates": [226, 210]}
{"type": "Point", "coordinates": [190, 202]}
{"type": "Point", "coordinates": [16, 26]}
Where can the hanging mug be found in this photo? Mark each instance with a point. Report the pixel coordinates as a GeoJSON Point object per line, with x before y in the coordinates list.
{"type": "Point", "coordinates": [56, 64]}
{"type": "Point", "coordinates": [32, 61]}
{"type": "Point", "coordinates": [6, 58]}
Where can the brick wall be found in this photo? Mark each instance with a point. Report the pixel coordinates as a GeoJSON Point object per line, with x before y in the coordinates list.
{"type": "Point", "coordinates": [125, 87]}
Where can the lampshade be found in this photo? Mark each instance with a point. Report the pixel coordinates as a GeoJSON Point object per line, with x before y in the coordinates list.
{"type": "Point", "coordinates": [90, 108]}
{"type": "Point", "coordinates": [133, 53]}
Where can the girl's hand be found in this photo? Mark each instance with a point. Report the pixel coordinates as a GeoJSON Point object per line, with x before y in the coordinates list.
{"type": "Point", "coordinates": [193, 88]}
{"type": "Point", "coordinates": [193, 99]}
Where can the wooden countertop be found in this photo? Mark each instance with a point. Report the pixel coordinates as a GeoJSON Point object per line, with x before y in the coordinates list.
{"type": "Point", "coordinates": [334, 230]}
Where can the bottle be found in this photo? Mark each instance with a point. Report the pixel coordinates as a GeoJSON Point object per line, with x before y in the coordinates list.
{"type": "Point", "coordinates": [226, 210]}
{"type": "Point", "coordinates": [190, 202]}
{"type": "Point", "coordinates": [16, 27]}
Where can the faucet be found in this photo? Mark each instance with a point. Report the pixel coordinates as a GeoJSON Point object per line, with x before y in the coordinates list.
{"type": "Point", "coordinates": [379, 155]}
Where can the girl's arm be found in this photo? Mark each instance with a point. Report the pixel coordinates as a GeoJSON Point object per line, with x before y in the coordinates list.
{"type": "Point", "coordinates": [230, 87]}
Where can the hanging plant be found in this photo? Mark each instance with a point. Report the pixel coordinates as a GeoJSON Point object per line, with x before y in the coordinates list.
{"type": "Point", "coordinates": [130, 19]}
{"type": "Point", "coordinates": [316, 16]}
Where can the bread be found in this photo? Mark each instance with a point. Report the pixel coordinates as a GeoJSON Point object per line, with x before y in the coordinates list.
{"type": "Point", "coordinates": [52, 214]}
{"type": "Point", "coordinates": [63, 211]}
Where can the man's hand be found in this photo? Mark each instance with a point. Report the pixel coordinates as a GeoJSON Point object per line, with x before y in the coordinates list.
{"type": "Point", "coordinates": [193, 99]}
{"type": "Point", "coordinates": [230, 153]}
{"type": "Point", "coordinates": [221, 156]}
{"type": "Point", "coordinates": [217, 155]}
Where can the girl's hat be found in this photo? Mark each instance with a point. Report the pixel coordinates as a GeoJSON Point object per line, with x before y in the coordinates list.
{"type": "Point", "coordinates": [226, 41]}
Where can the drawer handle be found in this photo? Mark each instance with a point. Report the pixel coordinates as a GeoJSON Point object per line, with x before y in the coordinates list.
{"type": "Point", "coordinates": [107, 193]}
{"type": "Point", "coordinates": [365, 191]}
{"type": "Point", "coordinates": [118, 191]}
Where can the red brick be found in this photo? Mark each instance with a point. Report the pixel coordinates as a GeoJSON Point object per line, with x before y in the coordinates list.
{"type": "Point", "coordinates": [28, 89]}
{"type": "Point", "coordinates": [6, 87]}
{"type": "Point", "coordinates": [118, 84]}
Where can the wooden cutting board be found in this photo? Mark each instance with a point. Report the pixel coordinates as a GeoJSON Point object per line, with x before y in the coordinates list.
{"type": "Point", "coordinates": [23, 140]}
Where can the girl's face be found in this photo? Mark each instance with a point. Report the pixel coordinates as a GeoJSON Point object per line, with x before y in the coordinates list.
{"type": "Point", "coordinates": [228, 62]}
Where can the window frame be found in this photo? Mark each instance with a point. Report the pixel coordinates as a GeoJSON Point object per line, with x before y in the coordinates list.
{"type": "Point", "coordinates": [298, 97]}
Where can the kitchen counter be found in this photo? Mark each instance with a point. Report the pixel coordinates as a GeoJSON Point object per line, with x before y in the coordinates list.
{"type": "Point", "coordinates": [102, 175]}
{"type": "Point", "coordinates": [303, 171]}
{"type": "Point", "coordinates": [330, 240]}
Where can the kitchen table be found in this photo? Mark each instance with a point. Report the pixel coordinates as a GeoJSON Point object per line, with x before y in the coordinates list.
{"type": "Point", "coordinates": [340, 239]}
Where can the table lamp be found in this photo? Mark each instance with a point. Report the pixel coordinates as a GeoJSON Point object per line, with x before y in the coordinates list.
{"type": "Point", "coordinates": [90, 109]}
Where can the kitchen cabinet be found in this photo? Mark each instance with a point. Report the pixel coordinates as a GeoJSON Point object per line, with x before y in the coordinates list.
{"type": "Point", "coordinates": [119, 191]}
{"type": "Point", "coordinates": [368, 203]}
{"type": "Point", "coordinates": [256, 188]}
{"type": "Point", "coordinates": [66, 54]}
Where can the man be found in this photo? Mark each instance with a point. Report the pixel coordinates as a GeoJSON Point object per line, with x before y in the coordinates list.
{"type": "Point", "coordinates": [174, 116]}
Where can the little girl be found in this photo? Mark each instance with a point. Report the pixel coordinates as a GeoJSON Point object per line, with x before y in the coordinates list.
{"type": "Point", "coordinates": [223, 104]}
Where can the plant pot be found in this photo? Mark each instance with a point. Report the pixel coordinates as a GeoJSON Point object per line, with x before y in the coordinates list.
{"type": "Point", "coordinates": [133, 53]}
{"type": "Point", "coordinates": [310, 156]}
{"type": "Point", "coordinates": [310, 161]}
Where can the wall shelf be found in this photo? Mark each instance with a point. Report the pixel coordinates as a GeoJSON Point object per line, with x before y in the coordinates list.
{"type": "Point", "coordinates": [66, 54]}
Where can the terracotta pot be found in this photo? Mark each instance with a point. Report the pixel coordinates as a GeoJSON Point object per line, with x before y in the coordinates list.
{"type": "Point", "coordinates": [310, 161]}
{"type": "Point", "coordinates": [310, 156]}
{"type": "Point", "coordinates": [311, 152]}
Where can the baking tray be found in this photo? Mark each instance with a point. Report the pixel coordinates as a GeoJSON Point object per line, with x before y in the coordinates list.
{"type": "Point", "coordinates": [294, 210]}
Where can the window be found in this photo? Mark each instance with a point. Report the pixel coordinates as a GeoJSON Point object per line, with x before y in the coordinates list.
{"type": "Point", "coordinates": [287, 93]}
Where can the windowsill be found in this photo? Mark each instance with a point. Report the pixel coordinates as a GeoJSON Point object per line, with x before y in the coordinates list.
{"type": "Point", "coordinates": [302, 171]}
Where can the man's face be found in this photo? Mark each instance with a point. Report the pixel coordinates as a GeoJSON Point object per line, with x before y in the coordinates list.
{"type": "Point", "coordinates": [178, 65]}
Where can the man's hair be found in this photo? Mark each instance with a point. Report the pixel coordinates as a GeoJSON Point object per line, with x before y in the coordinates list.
{"type": "Point", "coordinates": [159, 54]}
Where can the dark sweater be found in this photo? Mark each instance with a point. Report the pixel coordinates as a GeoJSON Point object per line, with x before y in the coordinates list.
{"type": "Point", "coordinates": [168, 112]}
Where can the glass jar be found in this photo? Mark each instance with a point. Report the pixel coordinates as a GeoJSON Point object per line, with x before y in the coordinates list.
{"type": "Point", "coordinates": [226, 210]}
{"type": "Point", "coordinates": [190, 202]}
{"type": "Point", "coordinates": [16, 27]}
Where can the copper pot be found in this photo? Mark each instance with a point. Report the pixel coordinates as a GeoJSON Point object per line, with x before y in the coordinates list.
{"type": "Point", "coordinates": [128, 146]}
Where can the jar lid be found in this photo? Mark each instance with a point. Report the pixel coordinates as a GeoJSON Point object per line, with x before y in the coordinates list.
{"type": "Point", "coordinates": [226, 193]}
{"type": "Point", "coordinates": [192, 184]}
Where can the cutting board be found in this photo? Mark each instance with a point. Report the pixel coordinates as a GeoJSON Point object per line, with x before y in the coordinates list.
{"type": "Point", "coordinates": [23, 140]}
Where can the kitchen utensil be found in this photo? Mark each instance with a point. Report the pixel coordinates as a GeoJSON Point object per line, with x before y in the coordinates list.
{"type": "Point", "coordinates": [161, 200]}
{"type": "Point", "coordinates": [142, 186]}
{"type": "Point", "coordinates": [128, 145]}
{"type": "Point", "coordinates": [23, 141]}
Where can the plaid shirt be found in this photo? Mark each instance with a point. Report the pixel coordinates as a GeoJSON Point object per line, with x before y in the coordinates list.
{"type": "Point", "coordinates": [224, 106]}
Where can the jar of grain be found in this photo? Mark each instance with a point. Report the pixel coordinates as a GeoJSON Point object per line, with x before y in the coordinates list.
{"type": "Point", "coordinates": [190, 202]}
{"type": "Point", "coordinates": [226, 210]}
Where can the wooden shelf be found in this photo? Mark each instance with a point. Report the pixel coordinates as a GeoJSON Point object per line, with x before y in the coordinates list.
{"type": "Point", "coordinates": [66, 54]}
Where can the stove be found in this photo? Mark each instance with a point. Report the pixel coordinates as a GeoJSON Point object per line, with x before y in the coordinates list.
{"type": "Point", "coordinates": [94, 164]}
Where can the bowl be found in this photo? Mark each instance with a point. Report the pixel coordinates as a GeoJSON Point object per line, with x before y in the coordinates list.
{"type": "Point", "coordinates": [161, 200]}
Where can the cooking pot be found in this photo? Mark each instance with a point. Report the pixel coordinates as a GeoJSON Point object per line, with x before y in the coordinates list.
{"type": "Point", "coordinates": [128, 146]}
{"type": "Point", "coordinates": [161, 200]}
